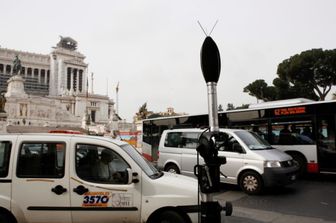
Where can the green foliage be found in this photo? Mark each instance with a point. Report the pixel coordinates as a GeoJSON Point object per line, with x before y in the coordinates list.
{"type": "Point", "coordinates": [261, 90]}
{"type": "Point", "coordinates": [143, 112]}
{"type": "Point", "coordinates": [243, 106]}
{"type": "Point", "coordinates": [230, 106]}
{"type": "Point", "coordinates": [310, 74]}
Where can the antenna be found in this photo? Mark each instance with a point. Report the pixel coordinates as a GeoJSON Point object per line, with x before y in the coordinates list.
{"type": "Point", "coordinates": [204, 30]}
{"type": "Point", "coordinates": [213, 27]}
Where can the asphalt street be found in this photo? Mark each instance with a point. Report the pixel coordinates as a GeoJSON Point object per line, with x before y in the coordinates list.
{"type": "Point", "coordinates": [309, 200]}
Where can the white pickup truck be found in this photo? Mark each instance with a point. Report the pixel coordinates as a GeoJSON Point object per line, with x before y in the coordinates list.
{"type": "Point", "coordinates": [62, 178]}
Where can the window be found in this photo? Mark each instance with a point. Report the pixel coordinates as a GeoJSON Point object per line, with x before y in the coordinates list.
{"type": "Point", "coordinates": [23, 70]}
{"type": "Point", "coordinates": [5, 149]}
{"type": "Point", "coordinates": [36, 73]}
{"type": "Point", "coordinates": [80, 80]}
{"type": "Point", "coordinates": [230, 145]}
{"type": "Point", "coordinates": [29, 71]}
{"type": "Point", "coordinates": [145, 165]}
{"type": "Point", "coordinates": [93, 116]}
{"type": "Point", "coordinates": [69, 78]}
{"type": "Point", "coordinates": [8, 69]}
{"type": "Point", "coordinates": [292, 133]}
{"type": "Point", "coordinates": [74, 80]}
{"type": "Point", "coordinates": [48, 76]}
{"type": "Point", "coordinates": [100, 165]}
{"type": "Point", "coordinates": [42, 76]}
{"type": "Point", "coordinates": [182, 139]}
{"type": "Point", "coordinates": [173, 139]}
{"type": "Point", "coordinates": [258, 126]}
{"type": "Point", "coordinates": [253, 140]}
{"type": "Point", "coordinates": [41, 160]}
{"type": "Point", "coordinates": [326, 133]}
{"type": "Point", "coordinates": [190, 140]}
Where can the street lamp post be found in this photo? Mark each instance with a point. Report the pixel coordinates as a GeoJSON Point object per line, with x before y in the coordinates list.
{"type": "Point", "coordinates": [209, 142]}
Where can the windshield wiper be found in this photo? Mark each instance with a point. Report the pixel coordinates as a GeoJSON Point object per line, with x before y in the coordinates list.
{"type": "Point", "coordinates": [261, 148]}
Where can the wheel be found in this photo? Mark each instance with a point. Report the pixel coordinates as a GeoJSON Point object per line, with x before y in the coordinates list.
{"type": "Point", "coordinates": [251, 183]}
{"type": "Point", "coordinates": [4, 218]}
{"type": "Point", "coordinates": [301, 162]}
{"type": "Point", "coordinates": [171, 217]}
{"type": "Point", "coordinates": [172, 168]}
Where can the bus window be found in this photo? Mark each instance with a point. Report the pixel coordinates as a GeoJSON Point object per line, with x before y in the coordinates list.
{"type": "Point", "coordinates": [326, 135]}
{"type": "Point", "coordinates": [326, 143]}
{"type": "Point", "coordinates": [292, 133]}
{"type": "Point", "coordinates": [258, 127]}
{"type": "Point", "coordinates": [260, 130]}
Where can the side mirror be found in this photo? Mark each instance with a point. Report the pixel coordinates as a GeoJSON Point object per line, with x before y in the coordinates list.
{"type": "Point", "coordinates": [132, 176]}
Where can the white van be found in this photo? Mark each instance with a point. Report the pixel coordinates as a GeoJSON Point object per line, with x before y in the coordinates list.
{"type": "Point", "coordinates": [250, 161]}
{"type": "Point", "coordinates": [62, 178]}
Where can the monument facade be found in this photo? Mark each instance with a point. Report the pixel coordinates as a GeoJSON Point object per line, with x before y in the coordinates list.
{"type": "Point", "coordinates": [51, 90]}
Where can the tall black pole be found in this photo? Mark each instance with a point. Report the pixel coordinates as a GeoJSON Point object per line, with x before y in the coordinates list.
{"type": "Point", "coordinates": [209, 174]}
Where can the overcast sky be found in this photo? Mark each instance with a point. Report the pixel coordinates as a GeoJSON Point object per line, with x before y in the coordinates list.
{"type": "Point", "coordinates": [152, 47]}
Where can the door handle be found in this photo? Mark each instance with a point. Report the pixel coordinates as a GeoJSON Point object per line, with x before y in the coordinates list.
{"type": "Point", "coordinates": [80, 190]}
{"type": "Point", "coordinates": [59, 189]}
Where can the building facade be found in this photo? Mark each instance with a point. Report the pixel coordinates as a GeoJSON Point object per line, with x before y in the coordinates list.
{"type": "Point", "coordinates": [52, 90]}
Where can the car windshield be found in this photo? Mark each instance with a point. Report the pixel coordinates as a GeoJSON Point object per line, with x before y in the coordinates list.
{"type": "Point", "coordinates": [253, 140]}
{"type": "Point", "coordinates": [145, 165]}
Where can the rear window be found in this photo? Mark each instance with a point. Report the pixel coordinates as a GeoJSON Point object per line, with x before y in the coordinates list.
{"type": "Point", "coordinates": [5, 150]}
{"type": "Point", "coordinates": [41, 160]}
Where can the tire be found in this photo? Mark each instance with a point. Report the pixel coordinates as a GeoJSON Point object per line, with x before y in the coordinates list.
{"type": "Point", "coordinates": [172, 168]}
{"type": "Point", "coordinates": [251, 183]}
{"type": "Point", "coordinates": [171, 217]}
{"type": "Point", "coordinates": [302, 163]}
{"type": "Point", "coordinates": [4, 218]}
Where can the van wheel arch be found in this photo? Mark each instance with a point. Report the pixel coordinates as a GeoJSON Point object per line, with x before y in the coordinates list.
{"type": "Point", "coordinates": [7, 216]}
{"type": "Point", "coordinates": [301, 159]}
{"type": "Point", "coordinates": [172, 167]}
{"type": "Point", "coordinates": [155, 216]}
{"type": "Point", "coordinates": [251, 175]}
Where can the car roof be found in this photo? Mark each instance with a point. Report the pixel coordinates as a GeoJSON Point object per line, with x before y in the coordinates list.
{"type": "Point", "coordinates": [65, 135]}
{"type": "Point", "coordinates": [203, 130]}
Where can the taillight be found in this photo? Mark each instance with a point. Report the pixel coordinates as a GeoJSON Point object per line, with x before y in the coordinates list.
{"type": "Point", "coordinates": [312, 167]}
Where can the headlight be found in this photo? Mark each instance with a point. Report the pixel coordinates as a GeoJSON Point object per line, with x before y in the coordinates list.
{"type": "Point", "coordinates": [272, 163]}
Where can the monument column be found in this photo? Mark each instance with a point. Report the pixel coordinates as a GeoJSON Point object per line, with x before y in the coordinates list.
{"type": "Point", "coordinates": [71, 79]}
{"type": "Point", "coordinates": [39, 75]}
{"type": "Point", "coordinates": [76, 76]}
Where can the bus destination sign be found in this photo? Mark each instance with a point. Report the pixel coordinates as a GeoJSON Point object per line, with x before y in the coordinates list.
{"type": "Point", "coordinates": [290, 111]}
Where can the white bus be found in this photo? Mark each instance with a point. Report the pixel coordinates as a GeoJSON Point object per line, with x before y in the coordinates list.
{"type": "Point", "coordinates": [302, 128]}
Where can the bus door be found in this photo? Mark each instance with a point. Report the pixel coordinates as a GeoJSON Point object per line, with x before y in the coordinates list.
{"type": "Point", "coordinates": [326, 143]}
